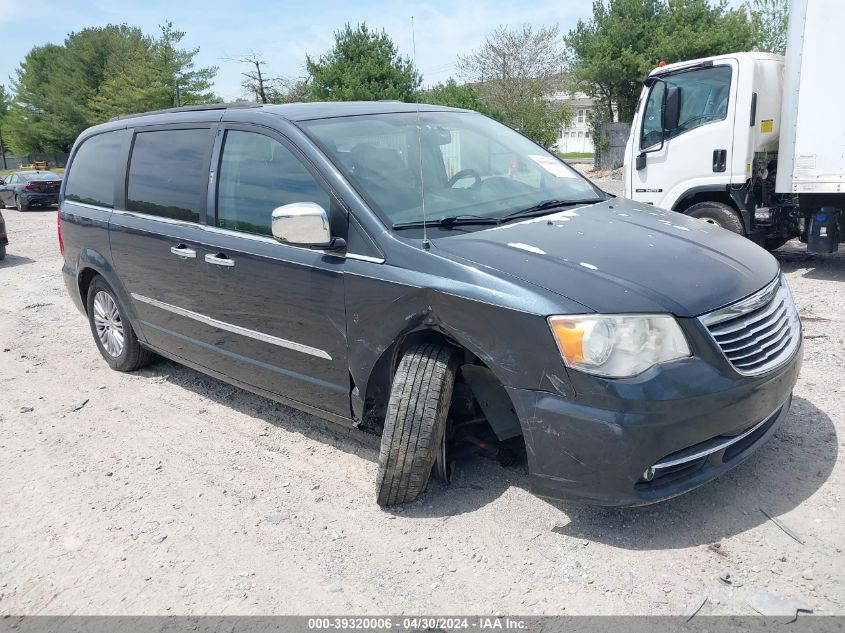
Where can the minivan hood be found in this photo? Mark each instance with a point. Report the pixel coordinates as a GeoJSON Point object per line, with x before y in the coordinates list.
{"type": "Point", "coordinates": [618, 256]}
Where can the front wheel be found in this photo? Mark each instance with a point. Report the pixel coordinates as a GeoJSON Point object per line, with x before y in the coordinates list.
{"type": "Point", "coordinates": [719, 214]}
{"type": "Point", "coordinates": [415, 422]}
{"type": "Point", "coordinates": [112, 332]}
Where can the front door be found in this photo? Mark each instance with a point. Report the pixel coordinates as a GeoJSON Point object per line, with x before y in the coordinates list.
{"type": "Point", "coordinates": [278, 310]}
{"type": "Point", "coordinates": [695, 153]}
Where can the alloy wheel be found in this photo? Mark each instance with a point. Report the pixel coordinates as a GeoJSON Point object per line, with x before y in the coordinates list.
{"type": "Point", "coordinates": [108, 323]}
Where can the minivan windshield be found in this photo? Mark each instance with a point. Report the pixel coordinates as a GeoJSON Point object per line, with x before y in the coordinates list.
{"type": "Point", "coordinates": [466, 165]}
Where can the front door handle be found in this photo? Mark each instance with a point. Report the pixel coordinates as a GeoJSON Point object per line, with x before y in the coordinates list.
{"type": "Point", "coordinates": [183, 251]}
{"type": "Point", "coordinates": [220, 259]}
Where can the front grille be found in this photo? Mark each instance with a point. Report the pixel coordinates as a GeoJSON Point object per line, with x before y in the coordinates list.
{"type": "Point", "coordinates": [760, 332]}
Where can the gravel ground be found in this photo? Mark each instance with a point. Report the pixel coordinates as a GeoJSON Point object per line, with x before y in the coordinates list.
{"type": "Point", "coordinates": [166, 491]}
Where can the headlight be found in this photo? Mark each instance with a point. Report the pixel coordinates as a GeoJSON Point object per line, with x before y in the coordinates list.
{"type": "Point", "coordinates": [618, 346]}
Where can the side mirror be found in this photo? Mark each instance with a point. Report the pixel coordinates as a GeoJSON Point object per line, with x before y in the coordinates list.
{"type": "Point", "coordinates": [304, 224]}
{"type": "Point", "coordinates": [672, 108]}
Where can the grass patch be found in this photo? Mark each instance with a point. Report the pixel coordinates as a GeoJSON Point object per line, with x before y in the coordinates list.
{"type": "Point", "coordinates": [571, 155]}
{"type": "Point", "coordinates": [6, 172]}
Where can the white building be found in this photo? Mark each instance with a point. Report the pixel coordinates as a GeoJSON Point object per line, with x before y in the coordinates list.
{"type": "Point", "coordinates": [576, 136]}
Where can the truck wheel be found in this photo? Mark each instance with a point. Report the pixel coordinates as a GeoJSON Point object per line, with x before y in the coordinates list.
{"type": "Point", "coordinates": [415, 422]}
{"type": "Point", "coordinates": [719, 214]}
{"type": "Point", "coordinates": [112, 331]}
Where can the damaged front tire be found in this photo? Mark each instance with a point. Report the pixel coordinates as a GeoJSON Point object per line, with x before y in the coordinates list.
{"type": "Point", "coordinates": [415, 421]}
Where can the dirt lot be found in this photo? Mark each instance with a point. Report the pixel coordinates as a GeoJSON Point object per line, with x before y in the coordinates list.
{"type": "Point", "coordinates": [170, 492]}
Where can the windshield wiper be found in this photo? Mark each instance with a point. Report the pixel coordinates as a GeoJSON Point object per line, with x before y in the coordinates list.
{"type": "Point", "coordinates": [544, 207]}
{"type": "Point", "coordinates": [452, 220]}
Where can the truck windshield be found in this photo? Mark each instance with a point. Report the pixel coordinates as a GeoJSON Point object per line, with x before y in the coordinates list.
{"type": "Point", "coordinates": [471, 165]}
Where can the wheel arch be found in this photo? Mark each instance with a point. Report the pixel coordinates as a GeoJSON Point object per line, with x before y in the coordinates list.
{"type": "Point", "coordinates": [381, 377]}
{"type": "Point", "coordinates": [734, 198]}
{"type": "Point", "coordinates": [91, 264]}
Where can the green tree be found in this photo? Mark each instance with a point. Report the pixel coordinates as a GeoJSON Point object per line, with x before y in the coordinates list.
{"type": "Point", "coordinates": [610, 55]}
{"type": "Point", "coordinates": [32, 123]}
{"type": "Point", "coordinates": [457, 95]}
{"type": "Point", "coordinates": [187, 85]}
{"type": "Point", "coordinates": [516, 71]}
{"type": "Point", "coordinates": [364, 65]}
{"type": "Point", "coordinates": [4, 110]}
{"type": "Point", "coordinates": [98, 73]}
{"type": "Point", "coordinates": [151, 74]}
{"type": "Point", "coordinates": [770, 19]}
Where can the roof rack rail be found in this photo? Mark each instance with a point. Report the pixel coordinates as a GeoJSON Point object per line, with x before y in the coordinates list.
{"type": "Point", "coordinates": [192, 108]}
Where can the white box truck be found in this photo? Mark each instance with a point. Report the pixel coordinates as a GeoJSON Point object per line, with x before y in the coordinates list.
{"type": "Point", "coordinates": [753, 142]}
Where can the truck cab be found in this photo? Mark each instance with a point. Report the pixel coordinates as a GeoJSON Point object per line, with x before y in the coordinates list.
{"type": "Point", "coordinates": [700, 130]}
{"type": "Point", "coordinates": [752, 142]}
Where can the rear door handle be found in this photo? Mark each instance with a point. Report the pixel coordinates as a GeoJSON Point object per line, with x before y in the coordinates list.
{"type": "Point", "coordinates": [220, 259]}
{"type": "Point", "coordinates": [183, 251]}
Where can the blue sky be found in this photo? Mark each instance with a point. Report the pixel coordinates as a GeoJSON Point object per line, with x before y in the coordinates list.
{"type": "Point", "coordinates": [281, 32]}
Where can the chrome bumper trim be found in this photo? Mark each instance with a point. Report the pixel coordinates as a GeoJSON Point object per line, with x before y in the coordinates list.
{"type": "Point", "coordinates": [704, 452]}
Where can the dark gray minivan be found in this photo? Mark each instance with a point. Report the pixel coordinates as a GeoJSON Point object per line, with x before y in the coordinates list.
{"type": "Point", "coordinates": [433, 276]}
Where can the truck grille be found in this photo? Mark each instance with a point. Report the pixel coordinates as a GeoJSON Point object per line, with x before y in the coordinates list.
{"type": "Point", "coordinates": [758, 333]}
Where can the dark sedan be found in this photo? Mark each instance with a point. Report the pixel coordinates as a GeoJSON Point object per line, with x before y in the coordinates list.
{"type": "Point", "coordinates": [25, 189]}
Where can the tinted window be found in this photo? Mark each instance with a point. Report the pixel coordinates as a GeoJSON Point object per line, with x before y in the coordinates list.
{"type": "Point", "coordinates": [258, 174]}
{"type": "Point", "coordinates": [167, 175]}
{"type": "Point", "coordinates": [92, 172]}
{"type": "Point", "coordinates": [40, 175]}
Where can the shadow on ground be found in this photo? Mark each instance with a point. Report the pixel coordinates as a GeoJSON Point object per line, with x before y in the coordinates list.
{"type": "Point", "coordinates": [279, 415]}
{"type": "Point", "coordinates": [793, 257]}
{"type": "Point", "coordinates": [11, 260]}
{"type": "Point", "coordinates": [777, 478]}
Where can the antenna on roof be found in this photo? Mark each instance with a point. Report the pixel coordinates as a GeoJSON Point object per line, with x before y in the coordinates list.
{"type": "Point", "coordinates": [425, 243]}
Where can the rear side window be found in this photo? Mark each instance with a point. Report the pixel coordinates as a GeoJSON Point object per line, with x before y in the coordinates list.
{"type": "Point", "coordinates": [258, 174]}
{"type": "Point", "coordinates": [167, 173]}
{"type": "Point", "coordinates": [92, 172]}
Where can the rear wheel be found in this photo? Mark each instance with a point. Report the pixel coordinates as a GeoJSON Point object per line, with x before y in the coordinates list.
{"type": "Point", "coordinates": [717, 213]}
{"type": "Point", "coordinates": [2, 252]}
{"type": "Point", "coordinates": [112, 332]}
{"type": "Point", "coordinates": [415, 422]}
{"type": "Point", "coordinates": [20, 205]}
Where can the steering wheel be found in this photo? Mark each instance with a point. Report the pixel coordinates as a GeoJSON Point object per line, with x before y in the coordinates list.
{"type": "Point", "coordinates": [463, 174]}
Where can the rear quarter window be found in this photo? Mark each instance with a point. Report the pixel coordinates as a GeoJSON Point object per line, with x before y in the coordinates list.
{"type": "Point", "coordinates": [90, 179]}
{"type": "Point", "coordinates": [168, 173]}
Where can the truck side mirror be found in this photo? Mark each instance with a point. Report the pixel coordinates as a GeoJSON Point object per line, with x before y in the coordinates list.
{"type": "Point", "coordinates": [672, 107]}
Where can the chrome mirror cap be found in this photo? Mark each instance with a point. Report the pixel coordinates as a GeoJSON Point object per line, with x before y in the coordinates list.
{"type": "Point", "coordinates": [302, 224]}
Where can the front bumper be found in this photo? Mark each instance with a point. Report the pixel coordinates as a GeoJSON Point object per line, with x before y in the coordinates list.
{"type": "Point", "coordinates": [600, 447]}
